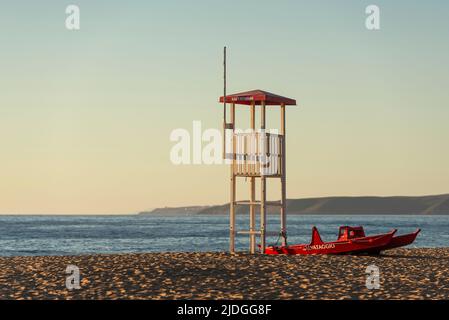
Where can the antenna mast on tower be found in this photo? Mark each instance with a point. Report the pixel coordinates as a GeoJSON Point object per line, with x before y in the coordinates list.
{"type": "Point", "coordinates": [224, 103]}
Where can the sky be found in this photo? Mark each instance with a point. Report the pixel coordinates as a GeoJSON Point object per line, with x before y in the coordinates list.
{"type": "Point", "coordinates": [86, 115]}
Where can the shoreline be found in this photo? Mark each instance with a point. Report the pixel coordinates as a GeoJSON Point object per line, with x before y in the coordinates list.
{"type": "Point", "coordinates": [404, 274]}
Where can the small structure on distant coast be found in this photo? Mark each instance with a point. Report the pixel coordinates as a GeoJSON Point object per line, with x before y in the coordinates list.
{"type": "Point", "coordinates": [257, 154]}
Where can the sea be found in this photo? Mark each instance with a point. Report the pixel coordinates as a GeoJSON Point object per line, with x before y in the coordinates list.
{"type": "Point", "coordinates": [102, 234]}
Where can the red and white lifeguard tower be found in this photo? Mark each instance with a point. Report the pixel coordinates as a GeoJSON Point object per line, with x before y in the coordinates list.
{"type": "Point", "coordinates": [257, 155]}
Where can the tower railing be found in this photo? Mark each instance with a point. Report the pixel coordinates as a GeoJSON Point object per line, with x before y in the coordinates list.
{"type": "Point", "coordinates": [258, 154]}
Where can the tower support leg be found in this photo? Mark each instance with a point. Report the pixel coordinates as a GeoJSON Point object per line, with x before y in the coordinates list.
{"type": "Point", "coordinates": [252, 217]}
{"type": "Point", "coordinates": [263, 214]}
{"type": "Point", "coordinates": [283, 181]}
{"type": "Point", "coordinates": [283, 214]}
{"type": "Point", "coordinates": [252, 209]}
{"type": "Point", "coordinates": [232, 216]}
{"type": "Point", "coordinates": [233, 187]}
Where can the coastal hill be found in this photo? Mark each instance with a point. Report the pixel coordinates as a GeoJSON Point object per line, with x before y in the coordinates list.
{"type": "Point", "coordinates": [402, 205]}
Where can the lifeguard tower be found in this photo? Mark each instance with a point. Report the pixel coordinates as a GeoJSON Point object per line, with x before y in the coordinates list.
{"type": "Point", "coordinates": [257, 155]}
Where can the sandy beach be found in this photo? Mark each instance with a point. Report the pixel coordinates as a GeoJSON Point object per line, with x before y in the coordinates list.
{"type": "Point", "coordinates": [404, 274]}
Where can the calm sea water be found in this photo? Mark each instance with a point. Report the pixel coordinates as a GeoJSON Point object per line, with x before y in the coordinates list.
{"type": "Point", "coordinates": [64, 235]}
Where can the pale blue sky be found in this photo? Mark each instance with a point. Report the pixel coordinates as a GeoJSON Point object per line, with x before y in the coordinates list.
{"type": "Point", "coordinates": [85, 116]}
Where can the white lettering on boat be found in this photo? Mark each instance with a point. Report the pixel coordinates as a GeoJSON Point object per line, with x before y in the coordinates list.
{"type": "Point", "coordinates": [320, 246]}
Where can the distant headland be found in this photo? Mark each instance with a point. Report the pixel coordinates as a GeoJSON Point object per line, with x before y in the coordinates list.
{"type": "Point", "coordinates": [366, 205]}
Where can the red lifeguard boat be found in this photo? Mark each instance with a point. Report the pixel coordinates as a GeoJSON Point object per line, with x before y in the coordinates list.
{"type": "Point", "coordinates": [351, 240]}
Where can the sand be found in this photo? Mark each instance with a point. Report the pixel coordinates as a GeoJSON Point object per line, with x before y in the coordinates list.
{"type": "Point", "coordinates": [404, 274]}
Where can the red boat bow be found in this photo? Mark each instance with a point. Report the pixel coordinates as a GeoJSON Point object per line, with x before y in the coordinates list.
{"type": "Point", "coordinates": [398, 241]}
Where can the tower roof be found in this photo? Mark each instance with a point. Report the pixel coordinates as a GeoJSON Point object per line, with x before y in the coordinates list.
{"type": "Point", "coordinates": [258, 96]}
